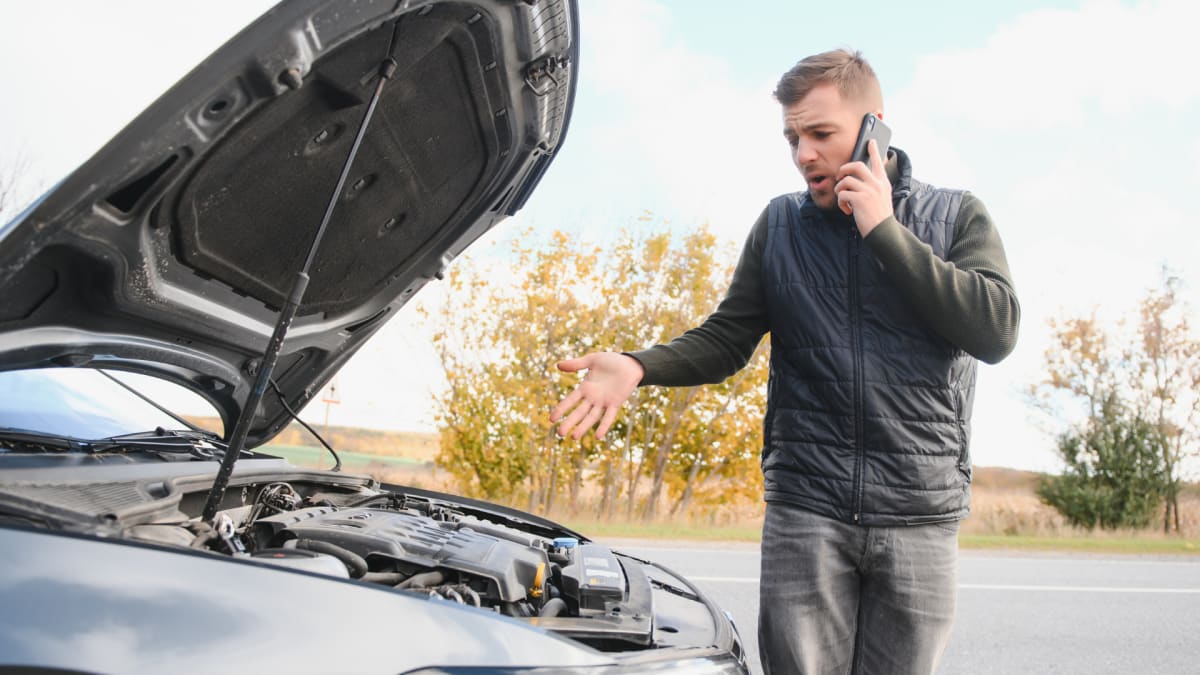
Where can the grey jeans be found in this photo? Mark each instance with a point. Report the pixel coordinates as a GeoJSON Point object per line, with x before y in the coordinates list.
{"type": "Point", "coordinates": [842, 598]}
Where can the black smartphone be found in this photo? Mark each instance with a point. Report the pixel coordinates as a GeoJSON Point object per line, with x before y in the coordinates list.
{"type": "Point", "coordinates": [872, 127]}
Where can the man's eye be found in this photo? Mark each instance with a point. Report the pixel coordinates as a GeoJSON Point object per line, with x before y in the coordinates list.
{"type": "Point", "coordinates": [822, 135]}
{"type": "Point", "coordinates": [793, 141]}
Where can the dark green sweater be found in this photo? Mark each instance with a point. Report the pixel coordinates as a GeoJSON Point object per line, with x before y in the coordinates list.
{"type": "Point", "coordinates": [968, 298]}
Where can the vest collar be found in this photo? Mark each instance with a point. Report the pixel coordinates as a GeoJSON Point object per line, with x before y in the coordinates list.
{"type": "Point", "coordinates": [899, 172]}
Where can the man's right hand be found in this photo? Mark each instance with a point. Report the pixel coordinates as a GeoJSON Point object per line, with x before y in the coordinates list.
{"type": "Point", "coordinates": [611, 378]}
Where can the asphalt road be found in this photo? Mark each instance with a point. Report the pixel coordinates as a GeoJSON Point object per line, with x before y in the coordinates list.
{"type": "Point", "coordinates": [1017, 613]}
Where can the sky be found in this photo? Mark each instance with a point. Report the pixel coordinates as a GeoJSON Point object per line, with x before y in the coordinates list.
{"type": "Point", "coordinates": [1073, 122]}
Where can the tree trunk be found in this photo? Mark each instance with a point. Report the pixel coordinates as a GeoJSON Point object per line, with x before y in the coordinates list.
{"type": "Point", "coordinates": [681, 505]}
{"type": "Point", "coordinates": [535, 477]}
{"type": "Point", "coordinates": [576, 482]}
{"type": "Point", "coordinates": [663, 452]}
{"type": "Point", "coordinates": [635, 475]}
{"type": "Point", "coordinates": [606, 487]}
{"type": "Point", "coordinates": [626, 460]}
{"type": "Point", "coordinates": [548, 502]}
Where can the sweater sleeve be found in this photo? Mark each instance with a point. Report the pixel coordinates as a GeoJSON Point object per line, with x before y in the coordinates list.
{"type": "Point", "coordinates": [725, 341]}
{"type": "Point", "coordinates": [968, 298]}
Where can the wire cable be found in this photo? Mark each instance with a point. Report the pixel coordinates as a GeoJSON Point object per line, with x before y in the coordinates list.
{"type": "Point", "coordinates": [337, 461]}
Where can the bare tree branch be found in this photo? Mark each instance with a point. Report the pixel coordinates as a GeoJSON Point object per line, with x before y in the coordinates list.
{"type": "Point", "coordinates": [15, 191]}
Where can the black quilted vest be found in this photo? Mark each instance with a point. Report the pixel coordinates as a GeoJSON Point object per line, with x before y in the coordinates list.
{"type": "Point", "coordinates": [868, 411]}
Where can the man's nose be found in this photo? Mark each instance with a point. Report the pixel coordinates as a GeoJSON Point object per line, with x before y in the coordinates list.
{"type": "Point", "coordinates": [804, 153]}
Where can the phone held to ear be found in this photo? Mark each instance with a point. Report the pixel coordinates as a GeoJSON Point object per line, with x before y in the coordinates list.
{"type": "Point", "coordinates": [872, 127]}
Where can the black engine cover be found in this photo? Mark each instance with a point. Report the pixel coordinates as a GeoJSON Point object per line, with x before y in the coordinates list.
{"type": "Point", "coordinates": [383, 536]}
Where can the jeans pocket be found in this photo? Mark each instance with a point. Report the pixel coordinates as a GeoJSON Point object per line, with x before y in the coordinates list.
{"type": "Point", "coordinates": [947, 526]}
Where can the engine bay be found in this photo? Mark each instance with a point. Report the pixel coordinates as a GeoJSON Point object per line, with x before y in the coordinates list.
{"type": "Point", "coordinates": [420, 546]}
{"type": "Point", "coordinates": [439, 547]}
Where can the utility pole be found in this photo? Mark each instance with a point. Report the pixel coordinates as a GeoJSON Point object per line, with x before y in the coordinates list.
{"type": "Point", "coordinates": [329, 398]}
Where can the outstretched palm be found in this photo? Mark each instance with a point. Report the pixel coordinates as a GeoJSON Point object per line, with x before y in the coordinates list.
{"type": "Point", "coordinates": [611, 378]}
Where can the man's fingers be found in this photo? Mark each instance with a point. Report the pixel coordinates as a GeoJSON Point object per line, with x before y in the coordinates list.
{"type": "Point", "coordinates": [568, 425]}
{"type": "Point", "coordinates": [565, 405]}
{"type": "Point", "coordinates": [593, 416]}
{"type": "Point", "coordinates": [573, 365]}
{"type": "Point", "coordinates": [875, 159]}
{"type": "Point", "coordinates": [857, 169]}
{"type": "Point", "coordinates": [610, 416]}
{"type": "Point", "coordinates": [850, 182]}
{"type": "Point", "coordinates": [846, 196]}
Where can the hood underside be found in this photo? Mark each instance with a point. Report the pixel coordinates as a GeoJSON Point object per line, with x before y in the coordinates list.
{"type": "Point", "coordinates": [171, 251]}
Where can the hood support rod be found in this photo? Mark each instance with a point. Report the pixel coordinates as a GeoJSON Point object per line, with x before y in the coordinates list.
{"type": "Point", "coordinates": [288, 313]}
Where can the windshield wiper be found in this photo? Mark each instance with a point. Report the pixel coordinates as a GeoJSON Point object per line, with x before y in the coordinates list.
{"type": "Point", "coordinates": [22, 438]}
{"type": "Point", "coordinates": [199, 444]}
{"type": "Point", "coordinates": [267, 366]}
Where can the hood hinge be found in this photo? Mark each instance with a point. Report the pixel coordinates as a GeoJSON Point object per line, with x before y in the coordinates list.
{"type": "Point", "coordinates": [542, 75]}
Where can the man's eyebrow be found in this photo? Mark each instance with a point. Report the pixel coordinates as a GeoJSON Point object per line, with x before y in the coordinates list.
{"type": "Point", "coordinates": [810, 127]}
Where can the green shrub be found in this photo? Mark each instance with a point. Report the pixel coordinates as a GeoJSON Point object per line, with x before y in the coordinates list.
{"type": "Point", "coordinates": [1115, 474]}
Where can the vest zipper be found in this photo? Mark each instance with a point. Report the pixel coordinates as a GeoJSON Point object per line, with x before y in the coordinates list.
{"type": "Point", "coordinates": [856, 337]}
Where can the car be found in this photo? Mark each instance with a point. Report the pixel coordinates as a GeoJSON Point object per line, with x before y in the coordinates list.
{"type": "Point", "coordinates": [240, 240]}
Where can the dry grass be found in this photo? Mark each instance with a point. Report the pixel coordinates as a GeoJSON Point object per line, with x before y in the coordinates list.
{"type": "Point", "coordinates": [1005, 511]}
{"type": "Point", "coordinates": [1012, 513]}
{"type": "Point", "coordinates": [1016, 511]}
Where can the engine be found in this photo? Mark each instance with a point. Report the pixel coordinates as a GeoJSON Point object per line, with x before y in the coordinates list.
{"type": "Point", "coordinates": [434, 550]}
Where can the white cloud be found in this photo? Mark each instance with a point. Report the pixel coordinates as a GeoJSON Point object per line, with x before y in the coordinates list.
{"type": "Point", "coordinates": [1047, 122]}
{"type": "Point", "coordinates": [1070, 257]}
{"type": "Point", "coordinates": [692, 131]}
{"type": "Point", "coordinates": [79, 71]}
{"type": "Point", "coordinates": [1194, 161]}
{"type": "Point", "coordinates": [1049, 68]}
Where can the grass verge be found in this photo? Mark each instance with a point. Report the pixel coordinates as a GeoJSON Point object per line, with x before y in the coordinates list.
{"type": "Point", "coordinates": [1103, 543]}
{"type": "Point", "coordinates": [600, 530]}
{"type": "Point", "coordinates": [304, 455]}
{"type": "Point", "coordinates": [1098, 544]}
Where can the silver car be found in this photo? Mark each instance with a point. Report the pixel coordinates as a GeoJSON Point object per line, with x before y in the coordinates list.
{"type": "Point", "coordinates": [240, 240]}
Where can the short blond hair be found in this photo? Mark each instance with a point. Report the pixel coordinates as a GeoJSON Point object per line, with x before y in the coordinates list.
{"type": "Point", "coordinates": [848, 70]}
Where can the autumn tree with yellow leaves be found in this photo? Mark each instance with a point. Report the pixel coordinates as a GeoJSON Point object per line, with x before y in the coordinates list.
{"type": "Point", "coordinates": [677, 451]}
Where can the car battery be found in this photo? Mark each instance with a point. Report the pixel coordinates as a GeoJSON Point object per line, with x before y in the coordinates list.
{"type": "Point", "coordinates": [593, 577]}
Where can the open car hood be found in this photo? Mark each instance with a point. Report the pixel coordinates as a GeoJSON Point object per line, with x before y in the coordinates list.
{"type": "Point", "coordinates": [172, 250]}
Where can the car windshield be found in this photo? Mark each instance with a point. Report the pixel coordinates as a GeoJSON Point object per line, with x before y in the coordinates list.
{"type": "Point", "coordinates": [85, 404]}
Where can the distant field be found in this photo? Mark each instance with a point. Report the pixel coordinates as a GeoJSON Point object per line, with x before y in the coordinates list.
{"type": "Point", "coordinates": [1005, 510]}
{"type": "Point", "coordinates": [416, 445]}
{"type": "Point", "coordinates": [304, 455]}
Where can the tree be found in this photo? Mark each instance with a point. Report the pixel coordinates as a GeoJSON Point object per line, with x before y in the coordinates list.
{"type": "Point", "coordinates": [1115, 471]}
{"type": "Point", "coordinates": [1167, 362]}
{"type": "Point", "coordinates": [1092, 384]}
{"type": "Point", "coordinates": [503, 327]}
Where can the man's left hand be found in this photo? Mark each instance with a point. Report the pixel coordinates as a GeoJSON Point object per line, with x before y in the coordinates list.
{"type": "Point", "coordinates": [865, 192]}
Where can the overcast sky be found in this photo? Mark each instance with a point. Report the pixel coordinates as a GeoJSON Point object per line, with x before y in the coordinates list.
{"type": "Point", "coordinates": [1074, 122]}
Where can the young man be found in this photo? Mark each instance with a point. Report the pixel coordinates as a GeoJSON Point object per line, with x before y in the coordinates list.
{"type": "Point", "coordinates": [879, 292]}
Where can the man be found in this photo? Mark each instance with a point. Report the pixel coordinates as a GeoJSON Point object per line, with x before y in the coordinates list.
{"type": "Point", "coordinates": [879, 293]}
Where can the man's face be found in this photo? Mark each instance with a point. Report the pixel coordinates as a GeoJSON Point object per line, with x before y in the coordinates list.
{"type": "Point", "coordinates": [821, 129]}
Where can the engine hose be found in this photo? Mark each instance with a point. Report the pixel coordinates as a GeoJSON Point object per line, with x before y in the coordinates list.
{"type": "Point", "coordinates": [451, 594]}
{"type": "Point", "coordinates": [423, 580]}
{"type": "Point", "coordinates": [388, 578]}
{"type": "Point", "coordinates": [553, 607]}
{"type": "Point", "coordinates": [470, 593]}
{"type": "Point", "coordinates": [353, 561]}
